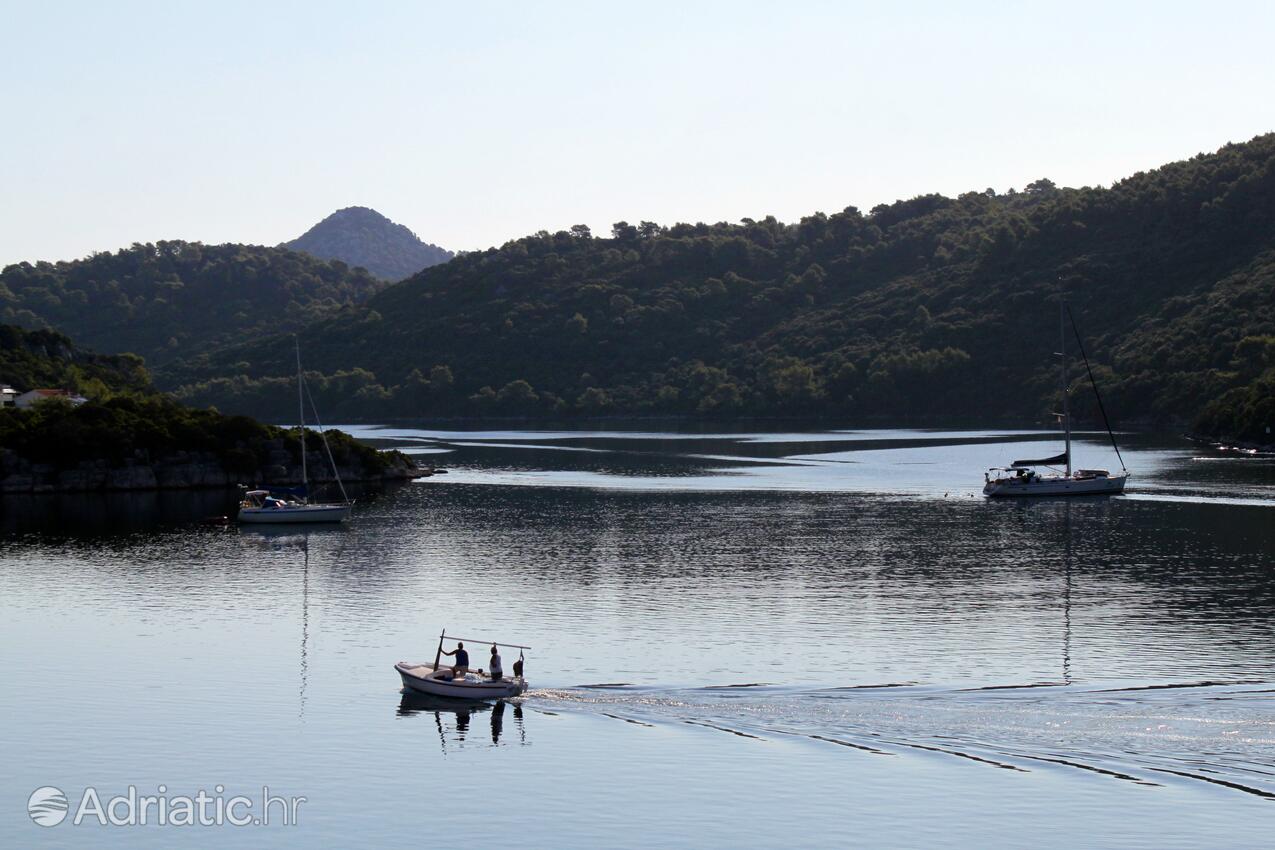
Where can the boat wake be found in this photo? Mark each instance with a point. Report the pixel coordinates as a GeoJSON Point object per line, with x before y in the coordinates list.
{"type": "Point", "coordinates": [1151, 734]}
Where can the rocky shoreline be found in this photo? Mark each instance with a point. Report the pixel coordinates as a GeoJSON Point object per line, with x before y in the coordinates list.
{"type": "Point", "coordinates": [184, 470]}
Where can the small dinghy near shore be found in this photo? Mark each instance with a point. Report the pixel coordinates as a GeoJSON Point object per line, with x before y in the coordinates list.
{"type": "Point", "coordinates": [441, 681]}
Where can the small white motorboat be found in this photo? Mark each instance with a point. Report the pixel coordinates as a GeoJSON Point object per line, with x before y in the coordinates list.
{"type": "Point", "coordinates": [442, 681]}
{"type": "Point", "coordinates": [424, 679]}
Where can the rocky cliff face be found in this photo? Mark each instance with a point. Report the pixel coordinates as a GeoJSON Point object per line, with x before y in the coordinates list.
{"type": "Point", "coordinates": [188, 470]}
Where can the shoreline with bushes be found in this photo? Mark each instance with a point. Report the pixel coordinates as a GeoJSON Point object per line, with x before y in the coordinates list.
{"type": "Point", "coordinates": [129, 443]}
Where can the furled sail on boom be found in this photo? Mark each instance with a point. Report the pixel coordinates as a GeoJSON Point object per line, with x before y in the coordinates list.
{"type": "Point", "coordinates": [1056, 460]}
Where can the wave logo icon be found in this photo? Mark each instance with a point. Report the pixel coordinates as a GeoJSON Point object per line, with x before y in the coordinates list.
{"type": "Point", "coordinates": [47, 806]}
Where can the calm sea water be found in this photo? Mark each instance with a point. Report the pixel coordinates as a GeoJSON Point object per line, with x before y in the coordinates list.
{"type": "Point", "coordinates": [815, 639]}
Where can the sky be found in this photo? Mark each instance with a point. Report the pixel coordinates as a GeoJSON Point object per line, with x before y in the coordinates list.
{"type": "Point", "coordinates": [476, 123]}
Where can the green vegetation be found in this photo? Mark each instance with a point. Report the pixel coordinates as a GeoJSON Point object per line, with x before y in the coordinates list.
{"type": "Point", "coordinates": [126, 420]}
{"type": "Point", "coordinates": [127, 427]}
{"type": "Point", "coordinates": [175, 299]}
{"type": "Point", "coordinates": [47, 359]}
{"type": "Point", "coordinates": [931, 310]}
{"type": "Point", "coordinates": [359, 236]}
{"type": "Point", "coordinates": [934, 308]}
{"type": "Point", "coordinates": [1247, 412]}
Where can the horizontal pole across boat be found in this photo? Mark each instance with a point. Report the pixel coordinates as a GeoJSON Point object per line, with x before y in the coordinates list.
{"type": "Point", "coordinates": [475, 641]}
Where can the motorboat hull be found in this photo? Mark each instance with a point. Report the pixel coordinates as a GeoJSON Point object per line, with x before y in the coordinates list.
{"type": "Point", "coordinates": [295, 514]}
{"type": "Point", "coordinates": [424, 679]}
{"type": "Point", "coordinates": [1101, 485]}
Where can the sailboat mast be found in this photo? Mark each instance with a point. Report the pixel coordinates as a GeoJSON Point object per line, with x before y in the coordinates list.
{"type": "Point", "coordinates": [305, 479]}
{"type": "Point", "coordinates": [1062, 354]}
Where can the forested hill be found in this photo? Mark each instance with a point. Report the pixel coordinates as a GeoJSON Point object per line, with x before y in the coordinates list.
{"type": "Point", "coordinates": [48, 360]}
{"type": "Point", "coordinates": [174, 299]}
{"type": "Point", "coordinates": [363, 237]}
{"type": "Point", "coordinates": [933, 309]}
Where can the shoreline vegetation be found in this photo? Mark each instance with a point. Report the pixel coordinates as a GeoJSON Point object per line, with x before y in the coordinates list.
{"type": "Point", "coordinates": [129, 437]}
{"type": "Point", "coordinates": [128, 443]}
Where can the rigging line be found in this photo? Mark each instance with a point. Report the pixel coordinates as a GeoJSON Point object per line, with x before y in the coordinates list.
{"type": "Point", "coordinates": [1093, 383]}
{"type": "Point", "coordinates": [315, 410]}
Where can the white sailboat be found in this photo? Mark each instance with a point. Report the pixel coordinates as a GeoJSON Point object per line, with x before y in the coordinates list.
{"type": "Point", "coordinates": [1023, 478]}
{"type": "Point", "coordinates": [292, 505]}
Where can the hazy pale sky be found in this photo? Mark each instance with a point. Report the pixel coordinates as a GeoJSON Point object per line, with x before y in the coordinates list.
{"type": "Point", "coordinates": [475, 123]}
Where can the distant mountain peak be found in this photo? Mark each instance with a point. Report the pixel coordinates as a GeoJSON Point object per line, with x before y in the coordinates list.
{"type": "Point", "coordinates": [361, 214]}
{"type": "Point", "coordinates": [360, 236]}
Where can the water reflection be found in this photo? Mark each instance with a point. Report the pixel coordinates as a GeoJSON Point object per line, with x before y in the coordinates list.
{"type": "Point", "coordinates": [453, 718]}
{"type": "Point", "coordinates": [1067, 559]}
{"type": "Point", "coordinates": [284, 540]}
{"type": "Point", "coordinates": [1100, 639]}
{"type": "Point", "coordinates": [109, 513]}
{"type": "Point", "coordinates": [305, 622]}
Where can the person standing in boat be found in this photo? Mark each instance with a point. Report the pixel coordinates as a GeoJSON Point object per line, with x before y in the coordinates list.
{"type": "Point", "coordinates": [496, 672]}
{"type": "Point", "coordinates": [461, 667]}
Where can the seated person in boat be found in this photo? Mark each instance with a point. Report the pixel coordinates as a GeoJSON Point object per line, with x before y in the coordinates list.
{"type": "Point", "coordinates": [461, 667]}
{"type": "Point", "coordinates": [496, 673]}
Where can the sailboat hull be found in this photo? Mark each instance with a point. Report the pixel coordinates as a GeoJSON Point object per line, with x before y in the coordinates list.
{"type": "Point", "coordinates": [1100, 485]}
{"type": "Point", "coordinates": [295, 514]}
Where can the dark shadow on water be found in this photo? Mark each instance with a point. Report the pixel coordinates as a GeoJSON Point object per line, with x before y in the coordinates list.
{"type": "Point", "coordinates": [96, 514]}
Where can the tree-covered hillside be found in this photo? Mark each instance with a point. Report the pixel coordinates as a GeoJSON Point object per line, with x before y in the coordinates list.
{"type": "Point", "coordinates": [362, 237]}
{"type": "Point", "coordinates": [937, 308]}
{"type": "Point", "coordinates": [175, 299]}
{"type": "Point", "coordinates": [48, 360]}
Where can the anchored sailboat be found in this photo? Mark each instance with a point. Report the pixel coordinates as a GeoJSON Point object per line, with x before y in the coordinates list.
{"type": "Point", "coordinates": [1022, 478]}
{"type": "Point", "coordinates": [291, 504]}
